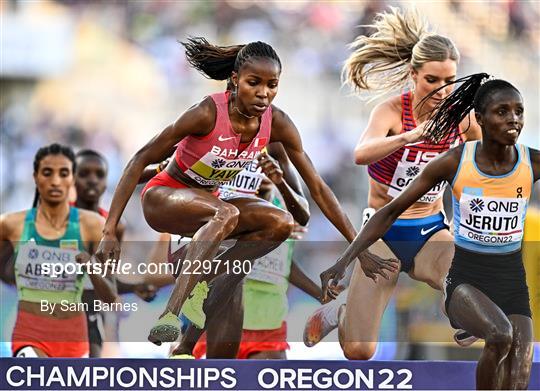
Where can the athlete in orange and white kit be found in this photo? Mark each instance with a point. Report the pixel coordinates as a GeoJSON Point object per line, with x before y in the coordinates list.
{"type": "Point", "coordinates": [395, 148]}
{"type": "Point", "coordinates": [486, 292]}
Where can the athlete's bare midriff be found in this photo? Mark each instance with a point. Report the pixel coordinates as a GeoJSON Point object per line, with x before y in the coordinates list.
{"type": "Point", "coordinates": [58, 312]}
{"type": "Point", "coordinates": [378, 197]}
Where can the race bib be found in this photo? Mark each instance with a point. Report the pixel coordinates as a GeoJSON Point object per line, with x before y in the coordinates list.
{"type": "Point", "coordinates": [46, 268]}
{"type": "Point", "coordinates": [244, 184]}
{"type": "Point", "coordinates": [491, 221]}
{"type": "Point", "coordinates": [273, 267]}
{"type": "Point", "coordinates": [214, 169]}
{"type": "Point", "coordinates": [405, 173]}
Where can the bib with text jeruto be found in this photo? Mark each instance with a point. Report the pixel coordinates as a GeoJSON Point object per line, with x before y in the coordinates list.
{"type": "Point", "coordinates": [490, 220]}
{"type": "Point", "coordinates": [489, 210]}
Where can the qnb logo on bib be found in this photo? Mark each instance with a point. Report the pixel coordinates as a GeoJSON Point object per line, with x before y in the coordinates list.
{"type": "Point", "coordinates": [220, 166]}
{"type": "Point", "coordinates": [33, 253]}
{"type": "Point", "coordinates": [491, 221]}
{"type": "Point", "coordinates": [46, 268]}
{"type": "Point", "coordinates": [408, 168]}
{"type": "Point", "coordinates": [412, 171]}
{"type": "Point", "coordinates": [477, 205]}
{"type": "Point", "coordinates": [218, 163]}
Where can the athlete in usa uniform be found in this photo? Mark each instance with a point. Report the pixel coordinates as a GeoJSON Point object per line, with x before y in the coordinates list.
{"type": "Point", "coordinates": [396, 149]}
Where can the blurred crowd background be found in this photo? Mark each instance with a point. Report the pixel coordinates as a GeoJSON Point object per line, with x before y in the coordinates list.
{"type": "Point", "coordinates": [110, 75]}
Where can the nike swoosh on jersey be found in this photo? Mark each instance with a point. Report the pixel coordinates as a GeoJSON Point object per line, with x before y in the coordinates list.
{"type": "Point", "coordinates": [221, 138]}
{"type": "Point", "coordinates": [425, 232]}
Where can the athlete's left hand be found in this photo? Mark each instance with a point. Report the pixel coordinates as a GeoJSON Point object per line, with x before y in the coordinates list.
{"type": "Point", "coordinates": [298, 232]}
{"type": "Point", "coordinates": [84, 259]}
{"type": "Point", "coordinates": [270, 168]}
{"type": "Point", "coordinates": [330, 279]}
{"type": "Point", "coordinates": [373, 264]}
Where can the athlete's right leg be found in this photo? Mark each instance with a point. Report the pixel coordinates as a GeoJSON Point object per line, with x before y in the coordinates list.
{"type": "Point", "coordinates": [325, 318]}
{"type": "Point", "coordinates": [188, 212]}
{"type": "Point", "coordinates": [360, 320]}
{"type": "Point", "coordinates": [518, 363]}
{"type": "Point", "coordinates": [228, 316]}
{"type": "Point", "coordinates": [474, 312]}
{"type": "Point", "coordinates": [261, 228]}
{"type": "Point", "coordinates": [433, 261]}
{"type": "Point", "coordinates": [224, 333]}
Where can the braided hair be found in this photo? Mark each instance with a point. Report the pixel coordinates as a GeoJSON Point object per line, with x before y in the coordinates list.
{"type": "Point", "coordinates": [218, 62]}
{"type": "Point", "coordinates": [53, 149]}
{"type": "Point", "coordinates": [475, 93]}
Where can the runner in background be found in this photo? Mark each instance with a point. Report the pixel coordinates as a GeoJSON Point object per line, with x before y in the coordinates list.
{"type": "Point", "coordinates": [90, 185]}
{"type": "Point", "coordinates": [52, 229]}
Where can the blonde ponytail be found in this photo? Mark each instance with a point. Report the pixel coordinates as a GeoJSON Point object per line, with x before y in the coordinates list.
{"type": "Point", "coordinates": [381, 62]}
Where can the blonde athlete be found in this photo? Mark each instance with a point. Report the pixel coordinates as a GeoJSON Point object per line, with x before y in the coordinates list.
{"type": "Point", "coordinates": [395, 148]}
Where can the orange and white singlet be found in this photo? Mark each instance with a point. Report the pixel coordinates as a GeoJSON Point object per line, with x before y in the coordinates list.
{"type": "Point", "coordinates": [489, 211]}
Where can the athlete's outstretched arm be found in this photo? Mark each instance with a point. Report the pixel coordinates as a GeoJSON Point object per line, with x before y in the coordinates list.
{"type": "Point", "coordinates": [299, 279]}
{"type": "Point", "coordinates": [198, 120]}
{"type": "Point", "coordinates": [285, 132]}
{"type": "Point", "coordinates": [91, 227]}
{"type": "Point", "coordinates": [286, 180]}
{"type": "Point", "coordinates": [443, 168]}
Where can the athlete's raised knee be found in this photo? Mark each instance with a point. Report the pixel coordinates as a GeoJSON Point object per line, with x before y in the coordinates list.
{"type": "Point", "coordinates": [281, 226]}
{"type": "Point", "coordinates": [359, 350]}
